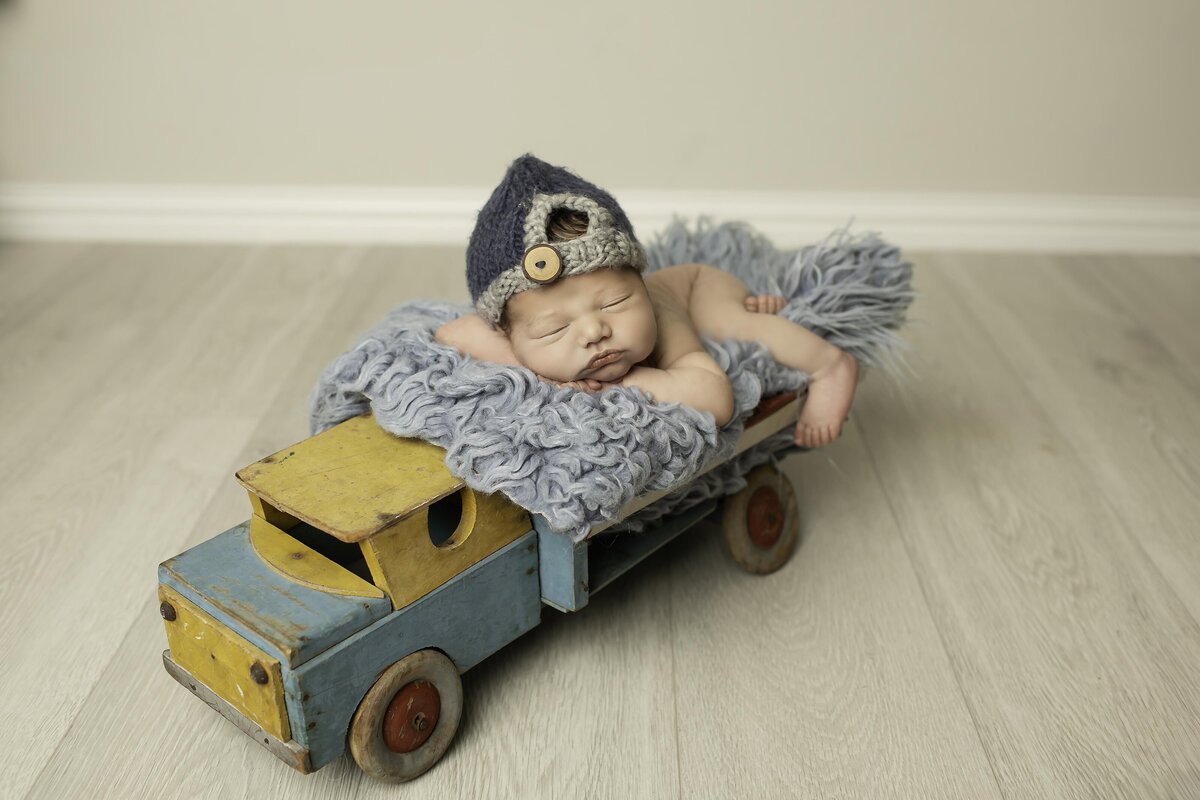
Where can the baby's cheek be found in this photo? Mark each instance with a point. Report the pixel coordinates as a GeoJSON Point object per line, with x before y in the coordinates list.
{"type": "Point", "coordinates": [647, 341]}
{"type": "Point", "coordinates": [527, 358]}
{"type": "Point", "coordinates": [546, 365]}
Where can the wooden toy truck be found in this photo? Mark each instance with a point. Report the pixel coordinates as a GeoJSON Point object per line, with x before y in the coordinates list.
{"type": "Point", "coordinates": [368, 578]}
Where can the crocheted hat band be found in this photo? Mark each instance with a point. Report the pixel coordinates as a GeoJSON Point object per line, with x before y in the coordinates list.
{"type": "Point", "coordinates": [603, 245]}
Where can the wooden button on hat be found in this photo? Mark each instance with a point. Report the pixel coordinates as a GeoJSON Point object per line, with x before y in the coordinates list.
{"type": "Point", "coordinates": [542, 263]}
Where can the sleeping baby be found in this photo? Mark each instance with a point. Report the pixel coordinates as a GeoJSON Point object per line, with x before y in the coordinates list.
{"type": "Point", "coordinates": [556, 277]}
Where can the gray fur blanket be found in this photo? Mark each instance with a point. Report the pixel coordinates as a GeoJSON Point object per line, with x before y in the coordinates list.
{"type": "Point", "coordinates": [577, 457]}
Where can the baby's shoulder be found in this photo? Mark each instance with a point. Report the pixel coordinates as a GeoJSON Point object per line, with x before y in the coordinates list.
{"type": "Point", "coordinates": [677, 335]}
{"type": "Point", "coordinates": [666, 297]}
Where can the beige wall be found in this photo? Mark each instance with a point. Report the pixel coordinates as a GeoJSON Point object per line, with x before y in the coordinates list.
{"type": "Point", "coordinates": [923, 95]}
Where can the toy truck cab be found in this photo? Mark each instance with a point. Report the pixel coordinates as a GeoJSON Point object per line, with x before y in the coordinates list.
{"type": "Point", "coordinates": [362, 549]}
{"type": "Point", "coordinates": [368, 577]}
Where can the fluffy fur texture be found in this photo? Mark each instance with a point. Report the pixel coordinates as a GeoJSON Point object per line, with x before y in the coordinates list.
{"type": "Point", "coordinates": [577, 457]}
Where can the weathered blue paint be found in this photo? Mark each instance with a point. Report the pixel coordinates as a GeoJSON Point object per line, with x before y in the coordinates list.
{"type": "Point", "coordinates": [468, 618]}
{"type": "Point", "coordinates": [574, 571]}
{"type": "Point", "coordinates": [563, 567]}
{"type": "Point", "coordinates": [472, 616]}
{"type": "Point", "coordinates": [294, 623]}
{"type": "Point", "coordinates": [611, 555]}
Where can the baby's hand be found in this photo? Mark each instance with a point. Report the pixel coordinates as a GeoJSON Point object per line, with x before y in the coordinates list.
{"type": "Point", "coordinates": [584, 385]}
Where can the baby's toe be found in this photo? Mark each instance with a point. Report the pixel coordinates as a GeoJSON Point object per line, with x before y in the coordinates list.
{"type": "Point", "coordinates": [803, 436]}
{"type": "Point", "coordinates": [751, 303]}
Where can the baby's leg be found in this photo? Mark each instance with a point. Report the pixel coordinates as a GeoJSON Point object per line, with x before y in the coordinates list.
{"type": "Point", "coordinates": [718, 309]}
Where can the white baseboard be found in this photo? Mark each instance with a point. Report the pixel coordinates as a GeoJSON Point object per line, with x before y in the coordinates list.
{"type": "Point", "coordinates": [923, 221]}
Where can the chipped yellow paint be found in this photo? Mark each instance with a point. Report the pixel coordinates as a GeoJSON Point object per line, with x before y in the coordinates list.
{"type": "Point", "coordinates": [221, 660]}
{"type": "Point", "coordinates": [406, 563]}
{"type": "Point", "coordinates": [300, 563]}
{"type": "Point", "coordinates": [351, 481]}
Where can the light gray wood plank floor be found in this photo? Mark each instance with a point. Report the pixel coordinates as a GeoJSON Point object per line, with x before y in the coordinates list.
{"type": "Point", "coordinates": [996, 595]}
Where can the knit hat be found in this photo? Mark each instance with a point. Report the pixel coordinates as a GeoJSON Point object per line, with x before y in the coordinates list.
{"type": "Point", "coordinates": [509, 252]}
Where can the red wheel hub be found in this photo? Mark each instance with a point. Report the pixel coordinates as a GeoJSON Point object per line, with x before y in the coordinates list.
{"type": "Point", "coordinates": [411, 716]}
{"type": "Point", "coordinates": [764, 518]}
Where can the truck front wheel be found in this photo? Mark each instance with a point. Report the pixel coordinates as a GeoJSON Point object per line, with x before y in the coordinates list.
{"type": "Point", "coordinates": [406, 722]}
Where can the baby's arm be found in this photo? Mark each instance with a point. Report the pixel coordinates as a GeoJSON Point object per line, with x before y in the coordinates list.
{"type": "Point", "coordinates": [471, 335]}
{"type": "Point", "coordinates": [693, 379]}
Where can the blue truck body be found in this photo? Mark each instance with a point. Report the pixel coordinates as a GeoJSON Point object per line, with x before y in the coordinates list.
{"type": "Point", "coordinates": [332, 648]}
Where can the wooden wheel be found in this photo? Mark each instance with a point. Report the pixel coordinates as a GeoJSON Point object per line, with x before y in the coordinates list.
{"type": "Point", "coordinates": [760, 523]}
{"type": "Point", "coordinates": [407, 720]}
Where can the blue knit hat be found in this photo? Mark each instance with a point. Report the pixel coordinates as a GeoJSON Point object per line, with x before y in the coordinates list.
{"type": "Point", "coordinates": [509, 252]}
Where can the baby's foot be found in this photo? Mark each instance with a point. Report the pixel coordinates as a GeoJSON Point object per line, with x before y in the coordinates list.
{"type": "Point", "coordinates": [765, 303]}
{"type": "Point", "coordinates": [830, 393]}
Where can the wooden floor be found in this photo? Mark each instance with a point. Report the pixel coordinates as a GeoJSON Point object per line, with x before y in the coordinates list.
{"type": "Point", "coordinates": [997, 594]}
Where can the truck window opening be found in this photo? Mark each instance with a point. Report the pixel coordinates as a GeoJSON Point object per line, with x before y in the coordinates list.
{"type": "Point", "coordinates": [345, 554]}
{"type": "Point", "coordinates": [444, 517]}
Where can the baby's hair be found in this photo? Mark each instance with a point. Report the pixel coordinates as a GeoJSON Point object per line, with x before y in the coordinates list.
{"type": "Point", "coordinates": [566, 224]}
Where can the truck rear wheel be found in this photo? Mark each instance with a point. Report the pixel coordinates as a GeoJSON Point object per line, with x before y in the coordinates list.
{"type": "Point", "coordinates": [406, 721]}
{"type": "Point", "coordinates": [760, 523]}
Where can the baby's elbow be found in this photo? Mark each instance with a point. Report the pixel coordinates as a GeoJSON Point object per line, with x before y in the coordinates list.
{"type": "Point", "coordinates": [724, 414]}
{"type": "Point", "coordinates": [722, 410]}
{"type": "Point", "coordinates": [440, 337]}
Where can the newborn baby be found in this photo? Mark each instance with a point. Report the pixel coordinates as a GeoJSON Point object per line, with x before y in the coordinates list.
{"type": "Point", "coordinates": [578, 311]}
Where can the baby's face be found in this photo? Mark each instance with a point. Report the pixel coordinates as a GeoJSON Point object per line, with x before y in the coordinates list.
{"type": "Point", "coordinates": [558, 328]}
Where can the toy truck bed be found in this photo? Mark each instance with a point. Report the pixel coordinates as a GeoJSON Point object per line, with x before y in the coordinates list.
{"type": "Point", "coordinates": [572, 572]}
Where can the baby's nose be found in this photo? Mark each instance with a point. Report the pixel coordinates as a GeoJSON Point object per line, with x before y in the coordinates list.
{"type": "Point", "coordinates": [595, 329]}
